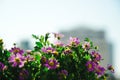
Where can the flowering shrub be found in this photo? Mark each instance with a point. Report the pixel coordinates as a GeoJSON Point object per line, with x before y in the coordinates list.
{"type": "Point", "coordinates": [74, 60]}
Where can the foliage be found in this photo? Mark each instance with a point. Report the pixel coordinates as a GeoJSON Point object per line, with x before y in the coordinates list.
{"type": "Point", "coordinates": [53, 61]}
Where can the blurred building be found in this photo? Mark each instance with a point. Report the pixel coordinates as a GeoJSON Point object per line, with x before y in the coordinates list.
{"type": "Point", "coordinates": [25, 44]}
{"type": "Point", "coordinates": [98, 38]}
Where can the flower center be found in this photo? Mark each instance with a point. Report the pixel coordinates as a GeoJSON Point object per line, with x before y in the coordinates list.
{"type": "Point", "coordinates": [55, 52]}
{"type": "Point", "coordinates": [89, 66]}
{"type": "Point", "coordinates": [17, 60]}
{"type": "Point", "coordinates": [16, 51]}
{"type": "Point", "coordinates": [49, 51]}
{"type": "Point", "coordinates": [51, 63]}
{"type": "Point", "coordinates": [86, 45]}
{"type": "Point", "coordinates": [98, 70]}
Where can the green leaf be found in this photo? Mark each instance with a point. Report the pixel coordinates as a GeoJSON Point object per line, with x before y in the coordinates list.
{"type": "Point", "coordinates": [87, 57]}
{"type": "Point", "coordinates": [87, 39]}
{"type": "Point", "coordinates": [45, 69]}
{"type": "Point", "coordinates": [91, 43]}
{"type": "Point", "coordinates": [46, 36]}
{"type": "Point", "coordinates": [41, 38]}
{"type": "Point", "coordinates": [37, 56]}
{"type": "Point", "coordinates": [7, 53]}
{"type": "Point", "coordinates": [34, 36]}
{"type": "Point", "coordinates": [39, 44]}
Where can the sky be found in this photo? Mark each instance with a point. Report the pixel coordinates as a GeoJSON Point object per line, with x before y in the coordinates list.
{"type": "Point", "coordinates": [21, 18]}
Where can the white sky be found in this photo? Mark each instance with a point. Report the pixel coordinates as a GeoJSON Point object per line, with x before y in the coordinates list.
{"type": "Point", "coordinates": [21, 18]}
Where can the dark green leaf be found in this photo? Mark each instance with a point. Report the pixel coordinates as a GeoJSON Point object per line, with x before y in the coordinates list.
{"type": "Point", "coordinates": [87, 39]}
{"type": "Point", "coordinates": [87, 57]}
{"type": "Point", "coordinates": [39, 44]}
{"type": "Point", "coordinates": [34, 36]}
{"type": "Point", "coordinates": [46, 36]}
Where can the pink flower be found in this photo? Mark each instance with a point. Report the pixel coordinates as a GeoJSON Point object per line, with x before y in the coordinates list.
{"type": "Point", "coordinates": [110, 67]}
{"type": "Point", "coordinates": [62, 74]}
{"type": "Point", "coordinates": [17, 60]}
{"type": "Point", "coordinates": [58, 43]}
{"type": "Point", "coordinates": [96, 56]}
{"type": "Point", "coordinates": [29, 58]}
{"type": "Point", "coordinates": [74, 41]}
{"type": "Point", "coordinates": [52, 64]}
{"type": "Point", "coordinates": [100, 70]}
{"type": "Point", "coordinates": [47, 50]}
{"type": "Point", "coordinates": [91, 65]}
{"type": "Point", "coordinates": [28, 51]}
{"type": "Point", "coordinates": [16, 50]}
{"type": "Point", "coordinates": [58, 35]}
{"type": "Point", "coordinates": [86, 46]}
{"type": "Point", "coordinates": [67, 51]}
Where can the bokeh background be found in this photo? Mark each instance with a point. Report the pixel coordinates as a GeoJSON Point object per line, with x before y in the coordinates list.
{"type": "Point", "coordinates": [98, 20]}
